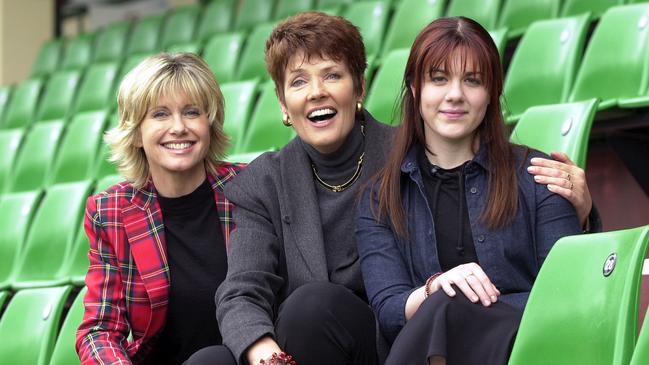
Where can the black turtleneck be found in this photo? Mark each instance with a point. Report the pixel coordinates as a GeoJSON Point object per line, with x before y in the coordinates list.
{"type": "Point", "coordinates": [445, 194]}
{"type": "Point", "coordinates": [337, 210]}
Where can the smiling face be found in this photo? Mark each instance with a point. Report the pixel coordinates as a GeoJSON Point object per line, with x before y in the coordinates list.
{"type": "Point", "coordinates": [453, 103]}
{"type": "Point", "coordinates": [320, 101]}
{"type": "Point", "coordinates": [175, 137]}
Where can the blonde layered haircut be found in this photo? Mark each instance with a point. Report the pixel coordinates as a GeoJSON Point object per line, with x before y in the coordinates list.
{"type": "Point", "coordinates": [141, 89]}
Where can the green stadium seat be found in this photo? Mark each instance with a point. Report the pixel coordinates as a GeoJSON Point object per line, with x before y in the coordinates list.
{"type": "Point", "coordinates": [251, 63]}
{"type": "Point", "coordinates": [545, 64]}
{"type": "Point", "coordinates": [3, 298]}
{"type": "Point", "coordinates": [79, 147]}
{"type": "Point", "coordinates": [21, 109]}
{"type": "Point", "coordinates": [580, 312]}
{"type": "Point", "coordinates": [559, 127]}
{"type": "Point", "coordinates": [245, 157]}
{"type": "Point", "coordinates": [10, 142]}
{"type": "Point", "coordinates": [48, 58]}
{"type": "Point", "coordinates": [30, 323]}
{"type": "Point", "coordinates": [222, 53]}
{"type": "Point", "coordinates": [110, 42]}
{"type": "Point", "coordinates": [16, 214]}
{"type": "Point", "coordinates": [96, 89]}
{"type": "Point", "coordinates": [78, 52]}
{"type": "Point", "coordinates": [384, 96]}
{"type": "Point", "coordinates": [145, 35]}
{"type": "Point", "coordinates": [217, 17]}
{"type": "Point", "coordinates": [285, 8]}
{"type": "Point", "coordinates": [51, 236]}
{"type": "Point", "coordinates": [104, 167]}
{"type": "Point", "coordinates": [64, 352]}
{"type": "Point", "coordinates": [330, 4]}
{"type": "Point", "coordinates": [409, 18]}
{"type": "Point", "coordinates": [371, 17]}
{"type": "Point", "coordinates": [484, 12]}
{"type": "Point", "coordinates": [615, 60]}
{"type": "Point", "coordinates": [519, 14]}
{"type": "Point", "coordinates": [253, 12]}
{"type": "Point", "coordinates": [596, 7]}
{"type": "Point", "coordinates": [128, 64]}
{"type": "Point", "coordinates": [641, 351]}
{"type": "Point", "coordinates": [58, 97]}
{"type": "Point", "coordinates": [240, 99]}
{"type": "Point", "coordinates": [179, 26]}
{"type": "Point", "coordinates": [190, 47]}
{"type": "Point", "coordinates": [36, 155]}
{"type": "Point", "coordinates": [499, 37]}
{"type": "Point", "coordinates": [76, 266]}
{"type": "Point", "coordinates": [265, 130]}
{"type": "Point", "coordinates": [5, 94]}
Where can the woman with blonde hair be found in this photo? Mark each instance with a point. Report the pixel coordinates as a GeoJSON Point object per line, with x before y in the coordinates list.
{"type": "Point", "coordinates": [158, 240]}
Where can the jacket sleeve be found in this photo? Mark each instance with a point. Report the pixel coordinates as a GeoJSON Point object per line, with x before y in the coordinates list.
{"type": "Point", "coordinates": [102, 335]}
{"type": "Point", "coordinates": [385, 273]}
{"type": "Point", "coordinates": [245, 301]}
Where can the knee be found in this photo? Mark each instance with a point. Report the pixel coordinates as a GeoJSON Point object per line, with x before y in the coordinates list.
{"type": "Point", "coordinates": [315, 303]}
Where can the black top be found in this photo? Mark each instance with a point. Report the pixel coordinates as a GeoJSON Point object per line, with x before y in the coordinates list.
{"type": "Point", "coordinates": [447, 202]}
{"type": "Point", "coordinates": [197, 265]}
{"type": "Point", "coordinates": [337, 219]}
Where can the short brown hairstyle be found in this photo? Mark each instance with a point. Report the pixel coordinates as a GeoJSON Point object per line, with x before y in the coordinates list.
{"type": "Point", "coordinates": [315, 34]}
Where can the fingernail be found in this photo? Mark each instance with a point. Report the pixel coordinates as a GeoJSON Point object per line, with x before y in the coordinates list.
{"type": "Point", "coordinates": [486, 303]}
{"type": "Point", "coordinates": [530, 168]}
{"type": "Point", "coordinates": [535, 159]}
{"type": "Point", "coordinates": [537, 178]}
{"type": "Point", "coordinates": [494, 298]}
{"type": "Point", "coordinates": [474, 299]}
{"type": "Point", "coordinates": [550, 187]}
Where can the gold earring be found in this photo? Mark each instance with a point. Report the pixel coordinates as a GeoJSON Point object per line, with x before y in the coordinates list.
{"type": "Point", "coordinates": [286, 120]}
{"type": "Point", "coordinates": [359, 106]}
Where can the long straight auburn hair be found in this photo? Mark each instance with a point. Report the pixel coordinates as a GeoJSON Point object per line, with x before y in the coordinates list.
{"type": "Point", "coordinates": [436, 47]}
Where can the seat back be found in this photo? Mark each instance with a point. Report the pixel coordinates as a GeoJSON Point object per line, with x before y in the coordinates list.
{"type": "Point", "coordinates": [110, 42]}
{"type": "Point", "coordinates": [410, 17]}
{"type": "Point", "coordinates": [597, 7]}
{"type": "Point", "coordinates": [583, 308]}
{"type": "Point", "coordinates": [51, 236]}
{"type": "Point", "coordinates": [145, 36]}
{"type": "Point", "coordinates": [217, 18]}
{"type": "Point", "coordinates": [48, 58]}
{"type": "Point", "coordinates": [330, 4]}
{"type": "Point", "coordinates": [36, 155]}
{"type": "Point", "coordinates": [64, 352]}
{"type": "Point", "coordinates": [250, 13]}
{"type": "Point", "coordinates": [10, 142]}
{"type": "Point", "coordinates": [5, 93]}
{"type": "Point", "coordinates": [240, 99]}
{"type": "Point", "coordinates": [78, 52]}
{"type": "Point", "coordinates": [559, 127]}
{"type": "Point", "coordinates": [21, 109]}
{"type": "Point", "coordinates": [519, 14]}
{"type": "Point", "coordinates": [371, 18]}
{"type": "Point", "coordinates": [285, 8]}
{"type": "Point", "coordinates": [29, 325]}
{"type": "Point", "coordinates": [104, 167]}
{"type": "Point", "coordinates": [222, 53]}
{"type": "Point", "coordinates": [641, 351]}
{"type": "Point", "coordinates": [499, 37]}
{"type": "Point", "coordinates": [615, 60]}
{"type": "Point", "coordinates": [59, 95]}
{"type": "Point", "coordinates": [16, 214]}
{"type": "Point", "coordinates": [180, 26]}
{"type": "Point", "coordinates": [266, 131]}
{"type": "Point", "coordinates": [484, 12]}
{"type": "Point", "coordinates": [547, 57]}
{"type": "Point", "coordinates": [251, 63]}
{"type": "Point", "coordinates": [79, 147]}
{"type": "Point", "coordinates": [96, 89]}
{"type": "Point", "coordinates": [383, 98]}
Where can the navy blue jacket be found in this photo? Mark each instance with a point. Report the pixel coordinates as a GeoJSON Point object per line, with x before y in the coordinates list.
{"type": "Point", "coordinates": [511, 256]}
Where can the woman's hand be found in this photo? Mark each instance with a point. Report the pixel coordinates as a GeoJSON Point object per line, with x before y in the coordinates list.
{"type": "Point", "coordinates": [263, 348]}
{"type": "Point", "coordinates": [563, 177]}
{"type": "Point", "coordinates": [471, 280]}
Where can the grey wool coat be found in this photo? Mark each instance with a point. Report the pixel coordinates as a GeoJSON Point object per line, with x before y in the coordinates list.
{"type": "Point", "coordinates": [278, 243]}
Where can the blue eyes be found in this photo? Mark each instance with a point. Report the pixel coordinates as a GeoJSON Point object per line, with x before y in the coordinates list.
{"type": "Point", "coordinates": [189, 113]}
{"type": "Point", "coordinates": [300, 81]}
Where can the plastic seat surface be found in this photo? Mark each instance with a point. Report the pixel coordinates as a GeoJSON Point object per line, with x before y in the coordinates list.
{"type": "Point", "coordinates": [110, 42]}
{"type": "Point", "coordinates": [597, 7]}
{"type": "Point", "coordinates": [371, 17]}
{"type": "Point", "coordinates": [96, 89]}
{"type": "Point", "coordinates": [239, 102]}
{"type": "Point", "coordinates": [48, 58]}
{"type": "Point", "coordinates": [410, 17]}
{"type": "Point", "coordinates": [21, 109]}
{"type": "Point", "coordinates": [58, 97]}
{"type": "Point", "coordinates": [217, 17]}
{"type": "Point", "coordinates": [253, 12]}
{"type": "Point", "coordinates": [10, 142]}
{"type": "Point", "coordinates": [180, 26]}
{"type": "Point", "coordinates": [145, 35]}
{"type": "Point", "coordinates": [64, 352]}
{"type": "Point", "coordinates": [383, 98]}
{"type": "Point", "coordinates": [484, 12]}
{"type": "Point", "coordinates": [251, 62]}
{"type": "Point", "coordinates": [519, 14]}
{"type": "Point", "coordinates": [78, 52]}
{"type": "Point", "coordinates": [222, 53]}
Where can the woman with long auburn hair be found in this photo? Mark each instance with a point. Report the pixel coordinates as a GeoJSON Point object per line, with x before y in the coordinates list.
{"type": "Point", "coordinates": [454, 209]}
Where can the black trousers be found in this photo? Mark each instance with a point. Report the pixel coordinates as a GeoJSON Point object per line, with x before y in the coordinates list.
{"type": "Point", "coordinates": [318, 324]}
{"type": "Point", "coordinates": [458, 330]}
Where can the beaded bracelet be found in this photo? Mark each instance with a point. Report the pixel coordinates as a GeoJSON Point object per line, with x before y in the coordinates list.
{"type": "Point", "coordinates": [429, 281]}
{"type": "Point", "coordinates": [278, 359]}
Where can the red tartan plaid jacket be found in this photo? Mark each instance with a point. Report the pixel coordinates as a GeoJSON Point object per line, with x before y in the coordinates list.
{"type": "Point", "coordinates": [128, 276]}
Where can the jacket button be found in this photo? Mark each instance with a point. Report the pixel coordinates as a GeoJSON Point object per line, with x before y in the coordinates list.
{"type": "Point", "coordinates": [474, 190]}
{"type": "Point", "coordinates": [481, 238]}
{"type": "Point", "coordinates": [286, 219]}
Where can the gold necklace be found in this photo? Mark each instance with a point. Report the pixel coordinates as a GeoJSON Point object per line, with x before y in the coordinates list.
{"type": "Point", "coordinates": [346, 184]}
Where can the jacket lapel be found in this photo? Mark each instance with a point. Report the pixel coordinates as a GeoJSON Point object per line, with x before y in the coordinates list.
{"type": "Point", "coordinates": [145, 232]}
{"type": "Point", "coordinates": [303, 218]}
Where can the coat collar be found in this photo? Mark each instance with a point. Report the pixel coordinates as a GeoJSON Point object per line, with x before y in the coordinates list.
{"type": "Point", "coordinates": [410, 164]}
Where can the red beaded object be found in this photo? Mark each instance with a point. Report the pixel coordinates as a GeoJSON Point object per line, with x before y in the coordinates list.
{"type": "Point", "coordinates": [429, 281]}
{"type": "Point", "coordinates": [278, 359]}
